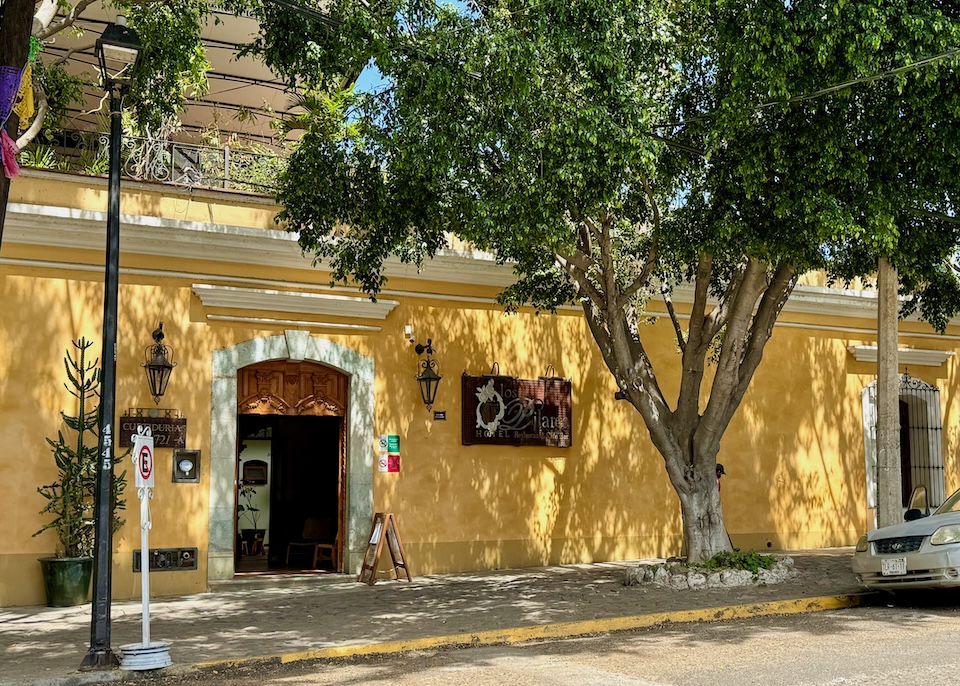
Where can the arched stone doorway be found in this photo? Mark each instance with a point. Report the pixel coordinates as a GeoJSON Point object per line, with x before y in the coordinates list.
{"type": "Point", "coordinates": [292, 346]}
{"type": "Point", "coordinates": [291, 471]}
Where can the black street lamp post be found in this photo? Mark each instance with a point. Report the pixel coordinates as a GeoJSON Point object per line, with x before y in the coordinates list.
{"type": "Point", "coordinates": [117, 52]}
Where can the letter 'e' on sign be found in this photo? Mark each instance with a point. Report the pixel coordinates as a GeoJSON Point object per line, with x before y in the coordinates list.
{"type": "Point", "coordinates": [143, 465]}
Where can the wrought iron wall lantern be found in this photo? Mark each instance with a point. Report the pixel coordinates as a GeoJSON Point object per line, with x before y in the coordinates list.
{"type": "Point", "coordinates": [428, 378]}
{"type": "Point", "coordinates": [158, 364]}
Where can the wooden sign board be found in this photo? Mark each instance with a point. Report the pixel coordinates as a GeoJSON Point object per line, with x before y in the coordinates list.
{"type": "Point", "coordinates": [504, 410]}
{"type": "Point", "coordinates": [384, 527]}
{"type": "Point", "coordinates": [168, 432]}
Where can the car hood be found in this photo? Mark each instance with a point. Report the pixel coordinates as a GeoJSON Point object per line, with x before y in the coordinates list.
{"type": "Point", "coordinates": [918, 527]}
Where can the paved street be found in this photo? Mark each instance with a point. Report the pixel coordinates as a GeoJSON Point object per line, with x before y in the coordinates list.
{"type": "Point", "coordinates": [906, 645]}
{"type": "Point", "coordinates": [336, 614]}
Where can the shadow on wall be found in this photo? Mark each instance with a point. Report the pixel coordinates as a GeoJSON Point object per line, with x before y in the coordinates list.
{"type": "Point", "coordinates": [794, 454]}
{"type": "Point", "coordinates": [607, 497]}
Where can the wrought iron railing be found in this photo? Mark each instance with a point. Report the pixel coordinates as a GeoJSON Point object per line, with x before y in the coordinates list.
{"type": "Point", "coordinates": [154, 159]}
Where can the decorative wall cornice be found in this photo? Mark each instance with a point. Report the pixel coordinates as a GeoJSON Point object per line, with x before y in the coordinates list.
{"type": "Point", "coordinates": [324, 304]}
{"type": "Point", "coordinates": [51, 226]}
{"type": "Point", "coordinates": [905, 356]}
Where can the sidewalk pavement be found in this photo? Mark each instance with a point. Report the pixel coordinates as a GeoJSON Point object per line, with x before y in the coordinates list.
{"type": "Point", "coordinates": [291, 618]}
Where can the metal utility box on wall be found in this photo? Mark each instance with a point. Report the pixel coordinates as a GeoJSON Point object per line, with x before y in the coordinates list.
{"type": "Point", "coordinates": [186, 466]}
{"type": "Point", "coordinates": [168, 559]}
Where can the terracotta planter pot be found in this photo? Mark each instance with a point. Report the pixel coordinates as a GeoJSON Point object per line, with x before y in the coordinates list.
{"type": "Point", "coordinates": [66, 580]}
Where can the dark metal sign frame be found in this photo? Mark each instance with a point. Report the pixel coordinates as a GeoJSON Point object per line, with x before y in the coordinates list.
{"type": "Point", "coordinates": [168, 432]}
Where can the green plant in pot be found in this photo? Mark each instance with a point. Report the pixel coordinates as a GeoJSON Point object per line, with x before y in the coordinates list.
{"type": "Point", "coordinates": [249, 513]}
{"type": "Point", "coordinates": [70, 499]}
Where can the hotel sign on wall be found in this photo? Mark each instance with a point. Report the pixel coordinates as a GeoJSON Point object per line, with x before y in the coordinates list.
{"type": "Point", "coordinates": [504, 410]}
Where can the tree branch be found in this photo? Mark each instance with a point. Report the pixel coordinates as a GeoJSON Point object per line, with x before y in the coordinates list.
{"type": "Point", "coordinates": [771, 305]}
{"type": "Point", "coordinates": [693, 359]}
{"type": "Point", "coordinates": [642, 278]}
{"type": "Point", "coordinates": [726, 383]}
{"type": "Point", "coordinates": [45, 12]}
{"type": "Point", "coordinates": [56, 27]}
{"type": "Point", "coordinates": [71, 52]}
{"type": "Point", "coordinates": [584, 284]}
{"type": "Point", "coordinates": [677, 329]}
{"type": "Point", "coordinates": [42, 106]}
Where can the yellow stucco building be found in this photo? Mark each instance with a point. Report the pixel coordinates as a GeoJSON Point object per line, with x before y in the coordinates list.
{"type": "Point", "coordinates": [277, 369]}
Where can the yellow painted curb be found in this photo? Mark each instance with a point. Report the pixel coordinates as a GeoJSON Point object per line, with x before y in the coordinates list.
{"type": "Point", "coordinates": [560, 629]}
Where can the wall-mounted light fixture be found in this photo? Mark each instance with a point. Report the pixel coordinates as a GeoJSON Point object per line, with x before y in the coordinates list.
{"type": "Point", "coordinates": [428, 379]}
{"type": "Point", "coordinates": [158, 364]}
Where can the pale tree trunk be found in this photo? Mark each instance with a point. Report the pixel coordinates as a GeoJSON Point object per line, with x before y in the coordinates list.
{"type": "Point", "coordinates": [704, 533]}
{"type": "Point", "coordinates": [889, 500]}
{"type": "Point", "coordinates": [687, 435]}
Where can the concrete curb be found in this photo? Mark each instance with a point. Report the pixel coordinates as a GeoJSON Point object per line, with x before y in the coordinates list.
{"type": "Point", "coordinates": [554, 631]}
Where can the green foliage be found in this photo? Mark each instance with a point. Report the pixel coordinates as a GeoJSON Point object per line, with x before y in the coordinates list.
{"type": "Point", "coordinates": [70, 499]}
{"type": "Point", "coordinates": [508, 127]}
{"type": "Point", "coordinates": [39, 157]}
{"type": "Point", "coordinates": [62, 90]}
{"type": "Point", "coordinates": [246, 509]}
{"type": "Point", "coordinates": [750, 560]}
{"type": "Point", "coordinates": [173, 62]}
{"type": "Point", "coordinates": [829, 178]}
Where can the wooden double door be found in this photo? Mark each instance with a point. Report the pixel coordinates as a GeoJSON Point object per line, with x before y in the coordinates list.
{"type": "Point", "coordinates": [301, 409]}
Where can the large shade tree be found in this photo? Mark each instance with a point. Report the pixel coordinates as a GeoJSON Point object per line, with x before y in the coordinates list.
{"type": "Point", "coordinates": [615, 151]}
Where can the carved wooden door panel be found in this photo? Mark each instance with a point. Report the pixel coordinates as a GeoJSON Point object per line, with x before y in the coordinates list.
{"type": "Point", "coordinates": [292, 389]}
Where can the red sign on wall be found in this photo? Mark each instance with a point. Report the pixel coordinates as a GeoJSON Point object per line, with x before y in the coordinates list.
{"type": "Point", "coordinates": [504, 410]}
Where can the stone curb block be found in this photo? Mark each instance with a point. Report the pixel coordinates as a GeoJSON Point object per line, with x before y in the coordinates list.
{"type": "Point", "coordinates": [557, 630]}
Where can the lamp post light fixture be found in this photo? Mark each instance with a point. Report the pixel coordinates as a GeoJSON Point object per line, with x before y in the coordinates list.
{"type": "Point", "coordinates": [428, 379]}
{"type": "Point", "coordinates": [118, 51]}
{"type": "Point", "coordinates": [158, 364]}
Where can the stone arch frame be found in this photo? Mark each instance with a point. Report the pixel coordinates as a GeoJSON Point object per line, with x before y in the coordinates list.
{"type": "Point", "coordinates": [297, 346]}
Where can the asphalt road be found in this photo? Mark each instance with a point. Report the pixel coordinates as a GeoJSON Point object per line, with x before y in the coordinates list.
{"type": "Point", "coordinates": [908, 642]}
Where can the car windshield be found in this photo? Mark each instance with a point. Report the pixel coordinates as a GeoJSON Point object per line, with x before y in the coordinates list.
{"type": "Point", "coordinates": [951, 504]}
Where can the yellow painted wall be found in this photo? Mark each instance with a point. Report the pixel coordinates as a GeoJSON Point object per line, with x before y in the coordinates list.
{"type": "Point", "coordinates": [793, 454]}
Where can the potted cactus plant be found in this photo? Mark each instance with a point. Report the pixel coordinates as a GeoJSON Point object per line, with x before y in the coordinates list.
{"type": "Point", "coordinates": [70, 499]}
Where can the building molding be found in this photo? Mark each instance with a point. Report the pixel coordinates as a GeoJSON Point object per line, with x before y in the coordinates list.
{"type": "Point", "coordinates": [53, 226]}
{"type": "Point", "coordinates": [298, 302]}
{"type": "Point", "coordinates": [64, 227]}
{"type": "Point", "coordinates": [905, 356]}
{"type": "Point", "coordinates": [300, 346]}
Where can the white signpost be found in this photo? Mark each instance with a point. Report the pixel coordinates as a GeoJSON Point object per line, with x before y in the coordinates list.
{"type": "Point", "coordinates": [146, 654]}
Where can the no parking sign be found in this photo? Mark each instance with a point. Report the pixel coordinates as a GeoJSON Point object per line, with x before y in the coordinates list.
{"type": "Point", "coordinates": [143, 457]}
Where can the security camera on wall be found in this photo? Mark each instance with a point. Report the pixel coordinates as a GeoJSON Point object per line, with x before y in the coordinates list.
{"type": "Point", "coordinates": [408, 333]}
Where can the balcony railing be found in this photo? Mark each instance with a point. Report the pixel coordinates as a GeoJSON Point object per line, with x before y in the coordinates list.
{"type": "Point", "coordinates": [166, 161]}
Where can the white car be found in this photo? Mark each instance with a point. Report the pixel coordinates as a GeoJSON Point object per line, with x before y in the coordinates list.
{"type": "Point", "coordinates": [923, 552]}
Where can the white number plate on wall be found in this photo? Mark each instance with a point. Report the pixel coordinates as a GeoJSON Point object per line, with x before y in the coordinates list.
{"type": "Point", "coordinates": [896, 566]}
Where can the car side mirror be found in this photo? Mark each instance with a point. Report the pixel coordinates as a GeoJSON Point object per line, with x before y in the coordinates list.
{"type": "Point", "coordinates": [912, 515]}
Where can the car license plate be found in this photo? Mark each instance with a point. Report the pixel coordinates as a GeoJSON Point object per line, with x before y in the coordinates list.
{"type": "Point", "coordinates": [896, 566]}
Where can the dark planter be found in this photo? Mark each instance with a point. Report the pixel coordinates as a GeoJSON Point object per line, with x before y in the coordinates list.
{"type": "Point", "coordinates": [66, 580]}
{"type": "Point", "coordinates": [253, 538]}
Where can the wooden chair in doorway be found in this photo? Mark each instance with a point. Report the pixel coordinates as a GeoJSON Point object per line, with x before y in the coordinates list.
{"type": "Point", "coordinates": [316, 539]}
